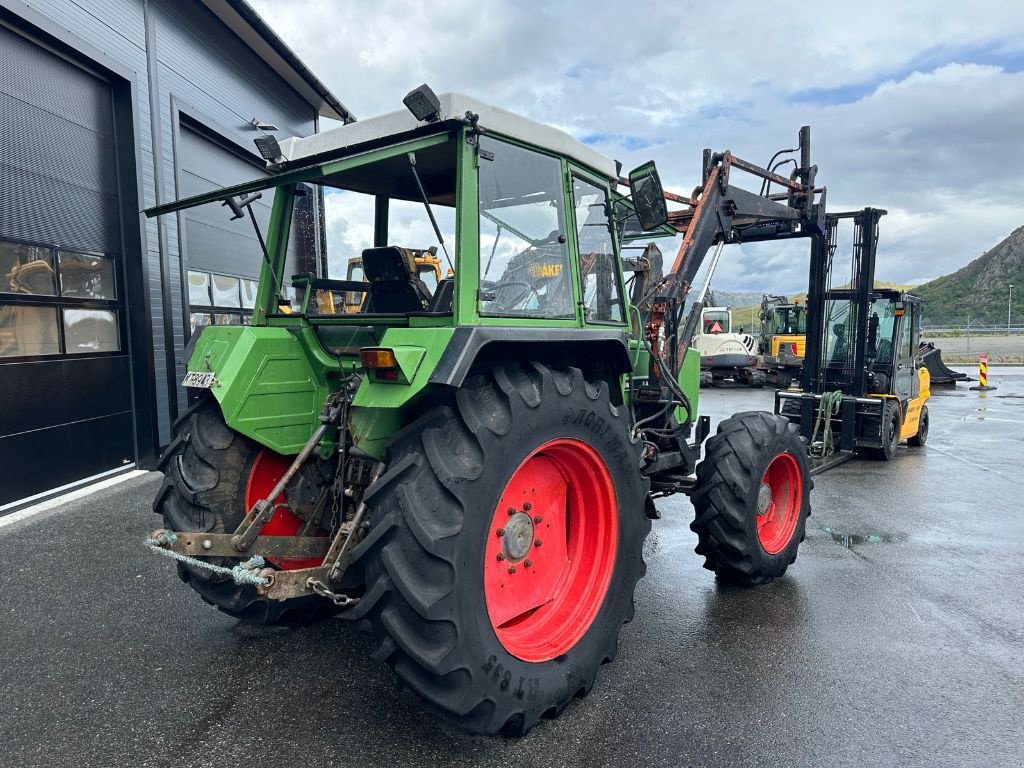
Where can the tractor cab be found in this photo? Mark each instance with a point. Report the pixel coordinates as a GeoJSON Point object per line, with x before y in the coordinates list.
{"type": "Point", "coordinates": [428, 234]}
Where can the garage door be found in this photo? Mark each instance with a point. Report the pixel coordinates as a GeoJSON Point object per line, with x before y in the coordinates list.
{"type": "Point", "coordinates": [65, 400]}
{"type": "Point", "coordinates": [223, 255]}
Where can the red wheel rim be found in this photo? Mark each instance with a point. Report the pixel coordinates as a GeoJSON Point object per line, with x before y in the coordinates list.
{"type": "Point", "coordinates": [547, 572]}
{"type": "Point", "coordinates": [778, 503]}
{"type": "Point", "coordinates": [268, 468]}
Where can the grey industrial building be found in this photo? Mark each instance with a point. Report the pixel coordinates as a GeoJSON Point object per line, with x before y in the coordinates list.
{"type": "Point", "coordinates": [108, 107]}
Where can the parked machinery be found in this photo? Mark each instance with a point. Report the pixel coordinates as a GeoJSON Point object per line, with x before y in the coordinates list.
{"type": "Point", "coordinates": [473, 469]}
{"type": "Point", "coordinates": [725, 353]}
{"type": "Point", "coordinates": [864, 387]}
{"type": "Point", "coordinates": [780, 346]}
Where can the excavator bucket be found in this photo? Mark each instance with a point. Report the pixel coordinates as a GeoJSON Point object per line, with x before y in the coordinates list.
{"type": "Point", "coordinates": [941, 374]}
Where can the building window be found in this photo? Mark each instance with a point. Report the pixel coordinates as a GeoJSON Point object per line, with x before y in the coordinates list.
{"type": "Point", "coordinates": [220, 299]}
{"type": "Point", "coordinates": [57, 302]}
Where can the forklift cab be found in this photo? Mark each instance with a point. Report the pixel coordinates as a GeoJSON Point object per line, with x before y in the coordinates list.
{"type": "Point", "coordinates": [894, 322]}
{"type": "Point", "coordinates": [891, 362]}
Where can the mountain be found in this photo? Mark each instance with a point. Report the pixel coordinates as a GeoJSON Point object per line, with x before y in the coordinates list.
{"type": "Point", "coordinates": [981, 288]}
{"type": "Point", "coordinates": [730, 298]}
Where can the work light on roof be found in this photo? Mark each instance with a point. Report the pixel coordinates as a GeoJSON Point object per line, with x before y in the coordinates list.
{"type": "Point", "coordinates": [269, 147]}
{"type": "Point", "coordinates": [424, 104]}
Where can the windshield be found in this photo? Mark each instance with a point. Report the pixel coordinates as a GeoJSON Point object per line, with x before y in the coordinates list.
{"type": "Point", "coordinates": [881, 330]}
{"type": "Point", "coordinates": [789, 320]}
{"type": "Point", "coordinates": [716, 321]}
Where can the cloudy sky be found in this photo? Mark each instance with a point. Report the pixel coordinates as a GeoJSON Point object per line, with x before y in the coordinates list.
{"type": "Point", "coordinates": [915, 106]}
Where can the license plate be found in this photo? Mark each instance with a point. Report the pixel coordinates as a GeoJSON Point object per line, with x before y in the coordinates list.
{"type": "Point", "coordinates": [200, 379]}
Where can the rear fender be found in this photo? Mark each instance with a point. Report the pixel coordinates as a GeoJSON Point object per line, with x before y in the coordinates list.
{"type": "Point", "coordinates": [270, 385]}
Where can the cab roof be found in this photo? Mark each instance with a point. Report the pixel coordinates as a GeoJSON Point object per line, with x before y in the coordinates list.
{"type": "Point", "coordinates": [454, 107]}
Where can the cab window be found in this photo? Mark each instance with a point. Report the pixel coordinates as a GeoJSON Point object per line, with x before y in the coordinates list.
{"type": "Point", "coordinates": [716, 322]}
{"type": "Point", "coordinates": [524, 256]}
{"type": "Point", "coordinates": [602, 300]}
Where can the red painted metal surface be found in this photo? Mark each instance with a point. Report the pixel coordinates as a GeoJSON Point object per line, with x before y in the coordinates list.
{"type": "Point", "coordinates": [268, 468]}
{"type": "Point", "coordinates": [776, 525]}
{"type": "Point", "coordinates": [543, 597]}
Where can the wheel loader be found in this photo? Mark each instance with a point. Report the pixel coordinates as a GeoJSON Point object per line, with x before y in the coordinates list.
{"type": "Point", "coordinates": [473, 469]}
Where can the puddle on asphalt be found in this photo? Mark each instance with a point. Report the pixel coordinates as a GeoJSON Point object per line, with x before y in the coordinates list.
{"type": "Point", "coordinates": [851, 540]}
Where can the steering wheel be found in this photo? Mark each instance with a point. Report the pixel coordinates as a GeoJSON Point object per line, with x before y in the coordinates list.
{"type": "Point", "coordinates": [525, 289]}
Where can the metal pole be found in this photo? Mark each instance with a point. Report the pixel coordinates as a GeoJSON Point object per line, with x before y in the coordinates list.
{"type": "Point", "coordinates": [1009, 305]}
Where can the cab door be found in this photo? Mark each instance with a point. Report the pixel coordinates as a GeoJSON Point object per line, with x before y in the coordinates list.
{"type": "Point", "coordinates": [906, 384]}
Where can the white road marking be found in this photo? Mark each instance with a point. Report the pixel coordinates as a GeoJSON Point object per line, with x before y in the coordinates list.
{"type": "Point", "coordinates": [78, 493]}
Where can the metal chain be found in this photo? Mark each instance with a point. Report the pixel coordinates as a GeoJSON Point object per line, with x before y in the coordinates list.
{"type": "Point", "coordinates": [322, 589]}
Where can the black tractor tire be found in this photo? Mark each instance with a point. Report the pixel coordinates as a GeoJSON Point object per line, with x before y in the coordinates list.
{"type": "Point", "coordinates": [430, 516]}
{"type": "Point", "coordinates": [890, 433]}
{"type": "Point", "coordinates": [729, 489]}
{"type": "Point", "coordinates": [922, 429]}
{"type": "Point", "coordinates": [206, 469]}
{"type": "Point", "coordinates": [783, 379]}
{"type": "Point", "coordinates": [706, 379]}
{"type": "Point", "coordinates": [758, 379]}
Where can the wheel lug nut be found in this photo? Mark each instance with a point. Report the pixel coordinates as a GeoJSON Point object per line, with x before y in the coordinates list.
{"type": "Point", "coordinates": [537, 542]}
{"type": "Point", "coordinates": [527, 506]}
{"type": "Point", "coordinates": [537, 518]}
{"type": "Point", "coordinates": [511, 569]}
{"type": "Point", "coordinates": [511, 511]}
{"type": "Point", "coordinates": [501, 556]}
{"type": "Point", "coordinates": [500, 532]}
{"type": "Point", "coordinates": [527, 563]}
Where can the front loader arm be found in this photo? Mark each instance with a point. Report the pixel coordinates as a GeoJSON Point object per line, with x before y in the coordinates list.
{"type": "Point", "coordinates": [724, 213]}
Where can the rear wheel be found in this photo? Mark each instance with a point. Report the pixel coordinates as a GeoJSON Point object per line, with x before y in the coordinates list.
{"type": "Point", "coordinates": [212, 477]}
{"type": "Point", "coordinates": [505, 543]}
{"type": "Point", "coordinates": [752, 499]}
{"type": "Point", "coordinates": [922, 429]}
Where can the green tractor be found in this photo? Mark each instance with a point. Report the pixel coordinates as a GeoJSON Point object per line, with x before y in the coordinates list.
{"type": "Point", "coordinates": [473, 468]}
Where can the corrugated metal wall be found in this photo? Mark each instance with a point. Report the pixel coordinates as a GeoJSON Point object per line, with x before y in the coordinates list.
{"type": "Point", "coordinates": [213, 77]}
{"type": "Point", "coordinates": [187, 66]}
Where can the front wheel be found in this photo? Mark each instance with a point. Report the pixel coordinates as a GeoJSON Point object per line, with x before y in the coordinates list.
{"type": "Point", "coordinates": [752, 498]}
{"type": "Point", "coordinates": [890, 436]}
{"type": "Point", "coordinates": [505, 543]}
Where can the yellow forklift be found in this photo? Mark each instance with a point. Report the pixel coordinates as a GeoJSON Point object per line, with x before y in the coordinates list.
{"type": "Point", "coordinates": [864, 387]}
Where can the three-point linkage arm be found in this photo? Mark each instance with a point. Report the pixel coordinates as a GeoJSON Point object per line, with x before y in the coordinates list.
{"type": "Point", "coordinates": [723, 213]}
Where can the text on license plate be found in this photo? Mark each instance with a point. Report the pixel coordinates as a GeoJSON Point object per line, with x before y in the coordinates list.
{"type": "Point", "coordinates": [201, 379]}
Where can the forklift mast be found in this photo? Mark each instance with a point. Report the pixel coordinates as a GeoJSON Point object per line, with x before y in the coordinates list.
{"type": "Point", "coordinates": [845, 372]}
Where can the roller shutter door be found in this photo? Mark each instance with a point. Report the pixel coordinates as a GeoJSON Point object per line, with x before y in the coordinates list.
{"type": "Point", "coordinates": [65, 384]}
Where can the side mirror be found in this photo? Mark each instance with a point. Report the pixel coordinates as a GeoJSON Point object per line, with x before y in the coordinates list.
{"type": "Point", "coordinates": [648, 196]}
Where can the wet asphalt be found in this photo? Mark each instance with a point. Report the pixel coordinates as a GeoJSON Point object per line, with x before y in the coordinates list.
{"type": "Point", "coordinates": [897, 638]}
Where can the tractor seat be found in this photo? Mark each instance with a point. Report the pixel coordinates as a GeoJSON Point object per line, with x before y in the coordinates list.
{"type": "Point", "coordinates": [394, 285]}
